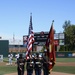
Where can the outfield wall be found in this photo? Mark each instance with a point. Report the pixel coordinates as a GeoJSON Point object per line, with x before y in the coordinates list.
{"type": "Point", "coordinates": [4, 47]}
{"type": "Point", "coordinates": [65, 54]}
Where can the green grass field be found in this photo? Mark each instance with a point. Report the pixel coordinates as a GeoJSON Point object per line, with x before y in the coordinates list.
{"type": "Point", "coordinates": [66, 69]}
{"type": "Point", "coordinates": [65, 59]}
{"type": "Point", "coordinates": [7, 69]}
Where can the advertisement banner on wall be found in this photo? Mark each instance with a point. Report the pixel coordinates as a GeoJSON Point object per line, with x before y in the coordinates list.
{"type": "Point", "coordinates": [56, 42]}
{"type": "Point", "coordinates": [25, 41]}
{"type": "Point", "coordinates": [61, 36]}
{"type": "Point", "coordinates": [56, 36]}
{"type": "Point", "coordinates": [65, 54]}
{"type": "Point", "coordinates": [61, 55]}
{"type": "Point", "coordinates": [73, 54]}
{"type": "Point", "coordinates": [61, 42]}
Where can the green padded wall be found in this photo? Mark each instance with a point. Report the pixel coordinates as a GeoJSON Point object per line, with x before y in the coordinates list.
{"type": "Point", "coordinates": [4, 47]}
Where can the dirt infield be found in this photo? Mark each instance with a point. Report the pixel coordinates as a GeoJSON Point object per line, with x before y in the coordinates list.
{"type": "Point", "coordinates": [53, 73]}
{"type": "Point", "coordinates": [65, 64]}
{"type": "Point", "coordinates": [57, 63]}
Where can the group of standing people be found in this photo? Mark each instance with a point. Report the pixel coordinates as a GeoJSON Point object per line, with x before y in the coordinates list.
{"type": "Point", "coordinates": [36, 63]}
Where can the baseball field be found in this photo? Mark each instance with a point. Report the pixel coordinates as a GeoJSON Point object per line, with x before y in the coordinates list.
{"type": "Point", "coordinates": [63, 66]}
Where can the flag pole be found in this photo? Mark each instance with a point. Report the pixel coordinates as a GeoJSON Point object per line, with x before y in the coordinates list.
{"type": "Point", "coordinates": [52, 22]}
{"type": "Point", "coordinates": [13, 42]}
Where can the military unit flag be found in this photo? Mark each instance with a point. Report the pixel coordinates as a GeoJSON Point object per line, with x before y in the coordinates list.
{"type": "Point", "coordinates": [50, 48]}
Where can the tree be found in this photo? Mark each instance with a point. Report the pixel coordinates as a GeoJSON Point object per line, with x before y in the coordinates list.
{"type": "Point", "coordinates": [70, 37]}
{"type": "Point", "coordinates": [66, 24]}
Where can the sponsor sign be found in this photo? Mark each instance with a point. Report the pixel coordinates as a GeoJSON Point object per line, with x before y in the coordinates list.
{"type": "Point", "coordinates": [56, 42]}
{"type": "Point", "coordinates": [25, 41]}
{"type": "Point", "coordinates": [70, 55]}
{"type": "Point", "coordinates": [61, 35]}
{"type": "Point", "coordinates": [61, 55]}
{"type": "Point", "coordinates": [61, 42]}
{"type": "Point", "coordinates": [73, 54]}
{"type": "Point", "coordinates": [25, 38]}
{"type": "Point", "coordinates": [56, 36]}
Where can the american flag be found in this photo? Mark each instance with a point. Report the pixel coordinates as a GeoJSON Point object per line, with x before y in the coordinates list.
{"type": "Point", "coordinates": [30, 37]}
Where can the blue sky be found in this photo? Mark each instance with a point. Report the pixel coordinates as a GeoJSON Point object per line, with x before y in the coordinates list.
{"type": "Point", "coordinates": [15, 16]}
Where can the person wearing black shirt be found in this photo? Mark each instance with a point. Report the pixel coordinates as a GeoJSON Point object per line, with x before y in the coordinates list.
{"type": "Point", "coordinates": [45, 64]}
{"type": "Point", "coordinates": [30, 65]}
{"type": "Point", "coordinates": [38, 65]}
{"type": "Point", "coordinates": [20, 65]}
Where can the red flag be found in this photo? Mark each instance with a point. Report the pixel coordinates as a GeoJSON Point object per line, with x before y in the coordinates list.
{"type": "Point", "coordinates": [50, 48]}
{"type": "Point", "coordinates": [30, 40]}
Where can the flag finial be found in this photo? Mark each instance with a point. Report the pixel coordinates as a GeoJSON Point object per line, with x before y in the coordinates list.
{"type": "Point", "coordinates": [52, 21]}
